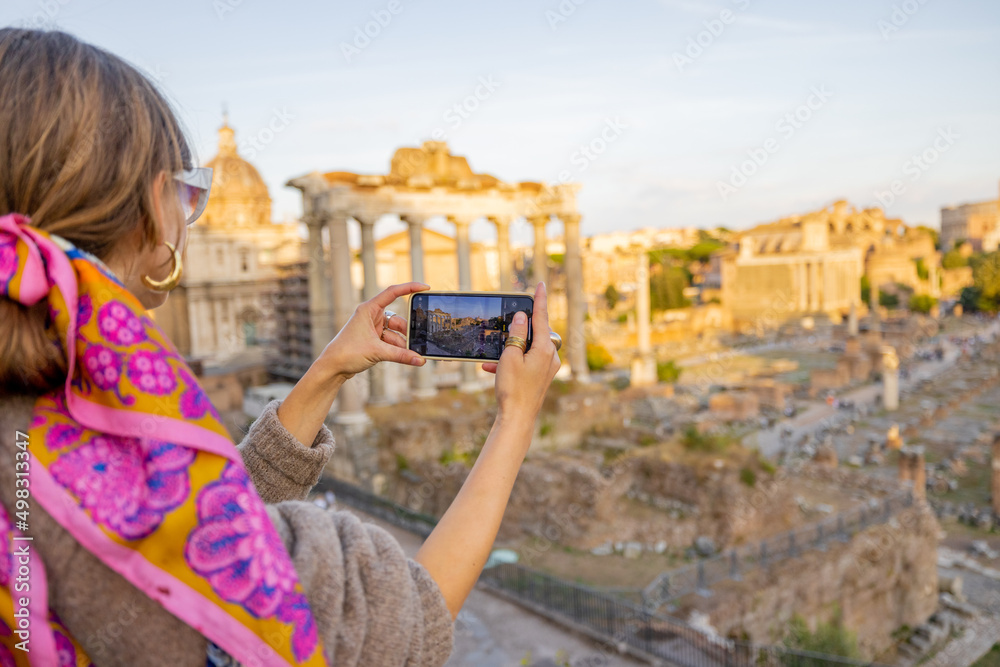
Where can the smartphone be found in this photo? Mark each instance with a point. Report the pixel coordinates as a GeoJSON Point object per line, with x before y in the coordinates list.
{"type": "Point", "coordinates": [464, 326]}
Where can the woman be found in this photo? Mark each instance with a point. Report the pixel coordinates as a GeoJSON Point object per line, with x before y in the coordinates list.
{"type": "Point", "coordinates": [132, 531]}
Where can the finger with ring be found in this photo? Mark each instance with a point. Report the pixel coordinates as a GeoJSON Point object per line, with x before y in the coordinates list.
{"type": "Point", "coordinates": [517, 342]}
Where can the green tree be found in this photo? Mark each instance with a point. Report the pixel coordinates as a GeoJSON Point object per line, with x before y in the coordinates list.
{"type": "Point", "coordinates": [667, 371]}
{"type": "Point", "coordinates": [866, 290]}
{"type": "Point", "coordinates": [922, 303]}
{"type": "Point", "coordinates": [888, 300]}
{"type": "Point", "coordinates": [666, 288]}
{"type": "Point", "coordinates": [598, 357]}
{"type": "Point", "coordinates": [702, 251]}
{"type": "Point", "coordinates": [953, 259]}
{"type": "Point", "coordinates": [612, 296]}
{"type": "Point", "coordinates": [986, 279]}
{"type": "Point", "coordinates": [969, 298]}
{"type": "Point", "coordinates": [922, 271]}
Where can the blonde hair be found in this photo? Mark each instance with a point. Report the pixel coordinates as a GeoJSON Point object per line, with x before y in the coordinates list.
{"type": "Point", "coordinates": [83, 135]}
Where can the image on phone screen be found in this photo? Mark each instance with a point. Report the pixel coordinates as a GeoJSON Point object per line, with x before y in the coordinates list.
{"type": "Point", "coordinates": [463, 326]}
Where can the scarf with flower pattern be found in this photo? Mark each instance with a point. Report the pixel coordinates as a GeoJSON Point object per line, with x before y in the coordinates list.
{"type": "Point", "coordinates": [132, 459]}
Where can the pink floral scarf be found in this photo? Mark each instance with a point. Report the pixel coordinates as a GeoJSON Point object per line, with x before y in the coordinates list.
{"type": "Point", "coordinates": [131, 458]}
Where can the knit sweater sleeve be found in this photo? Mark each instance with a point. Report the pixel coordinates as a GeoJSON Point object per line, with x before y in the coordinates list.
{"type": "Point", "coordinates": [280, 466]}
{"type": "Point", "coordinates": [372, 605]}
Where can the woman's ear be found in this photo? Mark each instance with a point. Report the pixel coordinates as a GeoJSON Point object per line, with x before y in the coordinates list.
{"type": "Point", "coordinates": [160, 203]}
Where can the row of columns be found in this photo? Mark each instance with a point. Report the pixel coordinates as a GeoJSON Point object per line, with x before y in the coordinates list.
{"type": "Point", "coordinates": [332, 302]}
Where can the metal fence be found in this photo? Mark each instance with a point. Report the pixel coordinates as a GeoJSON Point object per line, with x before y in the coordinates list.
{"type": "Point", "coordinates": [407, 519]}
{"type": "Point", "coordinates": [731, 565]}
{"type": "Point", "coordinates": [618, 624]}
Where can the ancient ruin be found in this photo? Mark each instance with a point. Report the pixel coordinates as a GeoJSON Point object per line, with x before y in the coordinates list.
{"type": "Point", "coordinates": [423, 183]}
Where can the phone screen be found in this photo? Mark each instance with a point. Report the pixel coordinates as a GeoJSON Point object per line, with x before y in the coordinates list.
{"type": "Point", "coordinates": [464, 326]}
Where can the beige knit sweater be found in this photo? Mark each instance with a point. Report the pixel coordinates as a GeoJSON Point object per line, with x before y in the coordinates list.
{"type": "Point", "coordinates": [373, 607]}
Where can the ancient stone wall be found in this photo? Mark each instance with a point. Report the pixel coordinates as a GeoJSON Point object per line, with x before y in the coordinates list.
{"type": "Point", "coordinates": [883, 579]}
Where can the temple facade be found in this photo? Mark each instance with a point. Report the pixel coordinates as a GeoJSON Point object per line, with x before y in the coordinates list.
{"type": "Point", "coordinates": [813, 264]}
{"type": "Point", "coordinates": [424, 183]}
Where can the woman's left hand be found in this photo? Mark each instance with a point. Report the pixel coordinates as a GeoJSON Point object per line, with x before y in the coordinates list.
{"type": "Point", "coordinates": [362, 342]}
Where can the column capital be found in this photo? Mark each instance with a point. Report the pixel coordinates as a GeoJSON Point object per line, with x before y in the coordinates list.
{"type": "Point", "coordinates": [365, 220]}
{"type": "Point", "coordinates": [461, 220]}
{"type": "Point", "coordinates": [314, 220]}
{"type": "Point", "coordinates": [539, 220]}
{"type": "Point", "coordinates": [414, 219]}
{"type": "Point", "coordinates": [570, 218]}
{"type": "Point", "coordinates": [501, 220]}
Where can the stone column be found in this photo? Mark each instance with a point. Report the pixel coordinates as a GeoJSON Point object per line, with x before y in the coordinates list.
{"type": "Point", "coordinates": [814, 286]}
{"type": "Point", "coordinates": [890, 378]}
{"type": "Point", "coordinates": [800, 272]}
{"type": "Point", "coordinates": [319, 286]}
{"type": "Point", "coordinates": [351, 409]}
{"type": "Point", "coordinates": [852, 320]}
{"type": "Point", "coordinates": [503, 253]}
{"type": "Point", "coordinates": [378, 394]}
{"type": "Point", "coordinates": [873, 306]}
{"type": "Point", "coordinates": [426, 386]}
{"type": "Point", "coordinates": [469, 382]}
{"type": "Point", "coordinates": [644, 365]}
{"type": "Point", "coordinates": [912, 468]}
{"type": "Point", "coordinates": [995, 479]}
{"type": "Point", "coordinates": [540, 257]}
{"type": "Point", "coordinates": [217, 320]}
{"type": "Point", "coordinates": [576, 349]}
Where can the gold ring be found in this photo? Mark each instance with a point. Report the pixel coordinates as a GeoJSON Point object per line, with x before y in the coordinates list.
{"type": "Point", "coordinates": [517, 342]}
{"type": "Point", "coordinates": [556, 339]}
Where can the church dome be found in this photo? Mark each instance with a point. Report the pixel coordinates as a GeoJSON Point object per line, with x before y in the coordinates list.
{"type": "Point", "coordinates": [239, 195]}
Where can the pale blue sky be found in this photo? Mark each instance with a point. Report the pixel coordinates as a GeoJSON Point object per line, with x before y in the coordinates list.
{"type": "Point", "coordinates": [558, 85]}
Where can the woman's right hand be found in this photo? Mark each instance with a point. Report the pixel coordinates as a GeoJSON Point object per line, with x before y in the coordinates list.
{"type": "Point", "coordinates": [523, 378]}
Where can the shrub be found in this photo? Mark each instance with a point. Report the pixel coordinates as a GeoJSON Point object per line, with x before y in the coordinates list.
{"type": "Point", "coordinates": [667, 371]}
{"type": "Point", "coordinates": [954, 259]}
{"type": "Point", "coordinates": [748, 477]}
{"type": "Point", "coordinates": [829, 639]}
{"type": "Point", "coordinates": [612, 297]}
{"type": "Point", "coordinates": [696, 441]}
{"type": "Point", "coordinates": [598, 357]}
{"type": "Point", "coordinates": [922, 303]}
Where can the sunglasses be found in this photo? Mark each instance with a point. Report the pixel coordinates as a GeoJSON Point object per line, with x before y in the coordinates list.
{"type": "Point", "coordinates": [194, 186]}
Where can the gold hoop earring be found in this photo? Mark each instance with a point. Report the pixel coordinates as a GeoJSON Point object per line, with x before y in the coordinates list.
{"type": "Point", "coordinates": [171, 281]}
